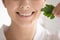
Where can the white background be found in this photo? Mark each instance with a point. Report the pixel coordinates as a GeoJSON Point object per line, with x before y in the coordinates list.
{"type": "Point", "coordinates": [50, 24]}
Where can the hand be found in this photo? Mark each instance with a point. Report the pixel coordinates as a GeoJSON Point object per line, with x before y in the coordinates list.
{"type": "Point", "coordinates": [56, 10]}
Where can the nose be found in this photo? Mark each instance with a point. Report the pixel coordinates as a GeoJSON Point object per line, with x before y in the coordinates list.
{"type": "Point", "coordinates": [25, 5]}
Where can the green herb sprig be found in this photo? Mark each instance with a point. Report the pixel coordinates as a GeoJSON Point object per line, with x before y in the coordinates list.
{"type": "Point", "coordinates": [47, 11]}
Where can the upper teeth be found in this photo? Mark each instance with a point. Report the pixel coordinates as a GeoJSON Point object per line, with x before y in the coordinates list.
{"type": "Point", "coordinates": [25, 14]}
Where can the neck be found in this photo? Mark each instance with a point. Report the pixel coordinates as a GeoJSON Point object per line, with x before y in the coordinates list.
{"type": "Point", "coordinates": [19, 32]}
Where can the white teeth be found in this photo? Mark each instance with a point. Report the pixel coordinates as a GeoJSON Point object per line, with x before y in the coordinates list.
{"type": "Point", "coordinates": [26, 14]}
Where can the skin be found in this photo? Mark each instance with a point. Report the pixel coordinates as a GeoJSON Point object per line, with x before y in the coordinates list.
{"type": "Point", "coordinates": [56, 10]}
{"type": "Point", "coordinates": [22, 28]}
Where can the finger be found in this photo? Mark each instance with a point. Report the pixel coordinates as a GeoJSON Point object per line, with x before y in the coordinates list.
{"type": "Point", "coordinates": [58, 14]}
{"type": "Point", "coordinates": [56, 9]}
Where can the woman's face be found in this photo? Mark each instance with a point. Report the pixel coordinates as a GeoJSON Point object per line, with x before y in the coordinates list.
{"type": "Point", "coordinates": [24, 11]}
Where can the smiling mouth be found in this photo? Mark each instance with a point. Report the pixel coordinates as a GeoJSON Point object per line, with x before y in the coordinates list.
{"type": "Point", "coordinates": [25, 14]}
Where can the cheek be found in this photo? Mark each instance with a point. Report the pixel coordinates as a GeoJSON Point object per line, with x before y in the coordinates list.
{"type": "Point", "coordinates": [37, 5]}
{"type": "Point", "coordinates": [12, 6]}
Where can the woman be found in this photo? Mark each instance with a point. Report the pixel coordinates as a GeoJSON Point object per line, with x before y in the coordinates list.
{"type": "Point", "coordinates": [24, 14]}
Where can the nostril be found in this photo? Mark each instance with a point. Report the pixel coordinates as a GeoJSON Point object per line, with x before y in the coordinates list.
{"type": "Point", "coordinates": [27, 7]}
{"type": "Point", "coordinates": [21, 7]}
{"type": "Point", "coordinates": [24, 6]}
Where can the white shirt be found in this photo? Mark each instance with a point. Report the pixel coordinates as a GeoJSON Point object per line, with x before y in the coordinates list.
{"type": "Point", "coordinates": [41, 34]}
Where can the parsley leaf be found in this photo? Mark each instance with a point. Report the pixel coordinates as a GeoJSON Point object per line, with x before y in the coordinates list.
{"type": "Point", "coordinates": [48, 11]}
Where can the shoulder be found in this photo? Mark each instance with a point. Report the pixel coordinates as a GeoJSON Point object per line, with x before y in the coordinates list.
{"type": "Point", "coordinates": [2, 36]}
{"type": "Point", "coordinates": [47, 35]}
